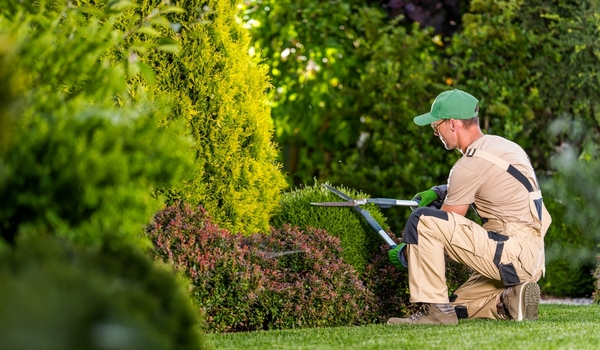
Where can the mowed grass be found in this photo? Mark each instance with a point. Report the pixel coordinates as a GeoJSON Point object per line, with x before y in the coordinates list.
{"type": "Point", "coordinates": [558, 327]}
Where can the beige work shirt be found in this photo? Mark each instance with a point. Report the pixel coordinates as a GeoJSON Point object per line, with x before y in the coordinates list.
{"type": "Point", "coordinates": [495, 193]}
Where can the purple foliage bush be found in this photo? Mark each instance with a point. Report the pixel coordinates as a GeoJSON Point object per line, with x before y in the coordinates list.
{"type": "Point", "coordinates": [290, 278]}
{"type": "Point", "coordinates": [388, 284]}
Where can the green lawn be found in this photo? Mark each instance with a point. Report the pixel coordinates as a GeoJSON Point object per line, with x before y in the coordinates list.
{"type": "Point", "coordinates": [558, 327]}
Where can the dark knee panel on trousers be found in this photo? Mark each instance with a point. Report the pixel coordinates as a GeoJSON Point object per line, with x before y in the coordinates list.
{"type": "Point", "coordinates": [508, 273]}
{"type": "Point", "coordinates": [411, 235]}
{"type": "Point", "coordinates": [461, 311]}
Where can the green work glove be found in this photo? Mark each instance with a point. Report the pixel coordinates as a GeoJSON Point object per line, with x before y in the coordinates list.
{"type": "Point", "coordinates": [426, 197]}
{"type": "Point", "coordinates": [396, 256]}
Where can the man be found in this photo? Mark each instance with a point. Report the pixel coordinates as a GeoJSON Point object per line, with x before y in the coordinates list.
{"type": "Point", "coordinates": [494, 176]}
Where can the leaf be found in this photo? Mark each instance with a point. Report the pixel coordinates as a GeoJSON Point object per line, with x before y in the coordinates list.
{"type": "Point", "coordinates": [169, 48]}
{"type": "Point", "coordinates": [168, 45]}
{"type": "Point", "coordinates": [148, 30]}
{"type": "Point", "coordinates": [161, 21]}
{"type": "Point", "coordinates": [147, 72]}
{"type": "Point", "coordinates": [165, 40]}
{"type": "Point", "coordinates": [121, 5]}
{"type": "Point", "coordinates": [139, 48]}
{"type": "Point", "coordinates": [172, 9]}
{"type": "Point", "coordinates": [133, 68]}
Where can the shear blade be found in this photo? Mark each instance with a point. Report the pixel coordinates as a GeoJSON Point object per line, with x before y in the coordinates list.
{"type": "Point", "coordinates": [334, 204]}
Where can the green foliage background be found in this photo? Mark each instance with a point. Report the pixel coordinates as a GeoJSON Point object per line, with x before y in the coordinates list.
{"type": "Point", "coordinates": [109, 108]}
{"type": "Point", "coordinates": [348, 81]}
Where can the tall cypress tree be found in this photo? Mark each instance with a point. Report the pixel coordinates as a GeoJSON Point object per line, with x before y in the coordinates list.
{"type": "Point", "coordinates": [219, 91]}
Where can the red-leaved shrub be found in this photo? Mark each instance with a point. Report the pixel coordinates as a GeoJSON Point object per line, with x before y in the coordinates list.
{"type": "Point", "coordinates": [388, 284]}
{"type": "Point", "coordinates": [289, 278]}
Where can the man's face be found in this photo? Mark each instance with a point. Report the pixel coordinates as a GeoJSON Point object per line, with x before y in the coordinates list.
{"type": "Point", "coordinates": [438, 132]}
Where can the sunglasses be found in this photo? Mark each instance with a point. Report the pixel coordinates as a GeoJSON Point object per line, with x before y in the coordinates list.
{"type": "Point", "coordinates": [436, 127]}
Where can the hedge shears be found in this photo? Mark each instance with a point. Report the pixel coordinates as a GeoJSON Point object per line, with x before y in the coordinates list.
{"type": "Point", "coordinates": [356, 203]}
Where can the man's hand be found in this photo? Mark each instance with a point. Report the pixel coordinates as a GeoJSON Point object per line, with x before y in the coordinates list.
{"type": "Point", "coordinates": [397, 257]}
{"type": "Point", "coordinates": [436, 193]}
{"type": "Point", "coordinates": [425, 198]}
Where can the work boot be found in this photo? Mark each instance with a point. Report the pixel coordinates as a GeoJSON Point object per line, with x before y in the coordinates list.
{"type": "Point", "coordinates": [429, 314]}
{"type": "Point", "coordinates": [521, 301]}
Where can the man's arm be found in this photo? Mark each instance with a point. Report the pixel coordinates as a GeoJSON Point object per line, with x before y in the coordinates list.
{"type": "Point", "coordinates": [458, 209]}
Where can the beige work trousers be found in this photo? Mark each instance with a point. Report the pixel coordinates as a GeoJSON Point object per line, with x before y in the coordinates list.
{"type": "Point", "coordinates": [431, 234]}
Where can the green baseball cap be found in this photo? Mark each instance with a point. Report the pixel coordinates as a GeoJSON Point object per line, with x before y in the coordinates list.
{"type": "Point", "coordinates": [452, 104]}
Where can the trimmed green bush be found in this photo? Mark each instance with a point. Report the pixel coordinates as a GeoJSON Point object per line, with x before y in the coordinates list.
{"type": "Point", "coordinates": [291, 278]}
{"type": "Point", "coordinates": [57, 296]}
{"type": "Point", "coordinates": [358, 240]}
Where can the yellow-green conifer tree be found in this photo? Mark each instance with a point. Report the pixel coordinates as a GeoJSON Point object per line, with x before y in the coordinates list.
{"type": "Point", "coordinates": [220, 92]}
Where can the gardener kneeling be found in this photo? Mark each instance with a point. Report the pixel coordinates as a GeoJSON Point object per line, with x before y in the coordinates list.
{"type": "Point", "coordinates": [506, 252]}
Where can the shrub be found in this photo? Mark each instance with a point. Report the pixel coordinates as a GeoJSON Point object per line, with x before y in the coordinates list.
{"type": "Point", "coordinates": [83, 159]}
{"type": "Point", "coordinates": [388, 284]}
{"type": "Point", "coordinates": [569, 253]}
{"type": "Point", "coordinates": [362, 247]}
{"type": "Point", "coordinates": [57, 296]}
{"type": "Point", "coordinates": [243, 283]}
{"type": "Point", "coordinates": [86, 177]}
{"type": "Point", "coordinates": [572, 240]}
{"type": "Point", "coordinates": [358, 240]}
{"type": "Point", "coordinates": [224, 280]}
{"type": "Point", "coordinates": [316, 286]}
{"type": "Point", "coordinates": [218, 91]}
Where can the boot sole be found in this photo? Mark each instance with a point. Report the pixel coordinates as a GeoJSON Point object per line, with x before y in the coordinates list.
{"type": "Point", "coordinates": [530, 299]}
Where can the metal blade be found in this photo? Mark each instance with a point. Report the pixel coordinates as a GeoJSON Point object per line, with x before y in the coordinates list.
{"type": "Point", "coordinates": [372, 223]}
{"type": "Point", "coordinates": [335, 204]}
{"type": "Point", "coordinates": [340, 194]}
{"type": "Point", "coordinates": [381, 202]}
